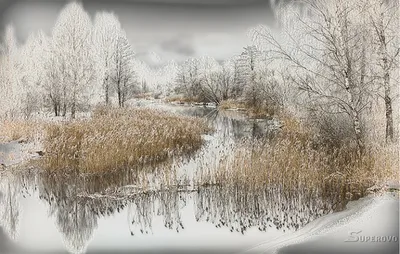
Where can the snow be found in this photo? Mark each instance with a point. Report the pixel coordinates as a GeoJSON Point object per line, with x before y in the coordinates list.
{"type": "Point", "coordinates": [375, 216]}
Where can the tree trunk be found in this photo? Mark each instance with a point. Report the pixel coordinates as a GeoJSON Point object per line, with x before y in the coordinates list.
{"type": "Point", "coordinates": [386, 75]}
{"type": "Point", "coordinates": [353, 111]}
{"type": "Point", "coordinates": [64, 109]}
{"type": "Point", "coordinates": [55, 109]}
{"type": "Point", "coordinates": [387, 98]}
{"type": "Point", "coordinates": [106, 91]}
{"type": "Point", "coordinates": [358, 132]}
{"type": "Point", "coordinates": [73, 106]}
{"type": "Point", "coordinates": [64, 106]}
{"type": "Point", "coordinates": [73, 110]}
{"type": "Point", "coordinates": [388, 109]}
{"type": "Point", "coordinates": [119, 97]}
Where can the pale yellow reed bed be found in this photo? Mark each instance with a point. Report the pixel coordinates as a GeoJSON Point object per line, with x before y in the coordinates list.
{"type": "Point", "coordinates": [120, 138]}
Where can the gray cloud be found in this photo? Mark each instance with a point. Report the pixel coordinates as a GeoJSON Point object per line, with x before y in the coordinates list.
{"type": "Point", "coordinates": [182, 44]}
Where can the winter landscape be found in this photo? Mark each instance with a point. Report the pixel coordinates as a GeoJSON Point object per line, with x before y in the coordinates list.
{"type": "Point", "coordinates": [189, 126]}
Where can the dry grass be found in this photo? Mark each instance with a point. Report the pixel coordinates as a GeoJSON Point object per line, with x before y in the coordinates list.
{"type": "Point", "coordinates": [27, 130]}
{"type": "Point", "coordinates": [232, 104]}
{"type": "Point", "coordinates": [295, 161]}
{"type": "Point", "coordinates": [182, 100]}
{"type": "Point", "coordinates": [259, 111]}
{"type": "Point", "coordinates": [120, 138]}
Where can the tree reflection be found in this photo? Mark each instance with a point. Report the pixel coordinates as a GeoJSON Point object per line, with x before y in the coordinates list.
{"type": "Point", "coordinates": [10, 211]}
{"type": "Point", "coordinates": [78, 201]}
{"type": "Point", "coordinates": [167, 204]}
{"type": "Point", "coordinates": [75, 213]}
{"type": "Point", "coordinates": [240, 208]}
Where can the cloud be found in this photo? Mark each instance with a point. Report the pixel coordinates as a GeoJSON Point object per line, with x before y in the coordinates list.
{"type": "Point", "coordinates": [181, 44]}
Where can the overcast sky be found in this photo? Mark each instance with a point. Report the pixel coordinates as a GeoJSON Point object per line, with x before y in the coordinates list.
{"type": "Point", "coordinates": [172, 29]}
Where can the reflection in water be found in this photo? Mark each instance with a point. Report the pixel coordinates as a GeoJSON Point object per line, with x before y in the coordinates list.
{"type": "Point", "coordinates": [10, 214]}
{"type": "Point", "coordinates": [144, 207]}
{"type": "Point", "coordinates": [240, 208]}
{"type": "Point", "coordinates": [236, 208]}
{"type": "Point", "coordinates": [78, 201]}
{"type": "Point", "coordinates": [76, 217]}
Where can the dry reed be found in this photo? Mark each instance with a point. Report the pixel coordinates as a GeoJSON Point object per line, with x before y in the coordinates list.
{"type": "Point", "coordinates": [27, 130]}
{"type": "Point", "coordinates": [232, 104]}
{"type": "Point", "coordinates": [120, 138]}
{"type": "Point", "coordinates": [295, 161]}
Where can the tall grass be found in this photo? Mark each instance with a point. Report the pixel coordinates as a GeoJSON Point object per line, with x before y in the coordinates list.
{"type": "Point", "coordinates": [28, 130]}
{"type": "Point", "coordinates": [120, 138]}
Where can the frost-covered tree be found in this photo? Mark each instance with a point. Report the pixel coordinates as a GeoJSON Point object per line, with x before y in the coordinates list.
{"type": "Point", "coordinates": [248, 64]}
{"type": "Point", "coordinates": [9, 73]}
{"type": "Point", "coordinates": [32, 72]}
{"type": "Point", "coordinates": [325, 49]}
{"type": "Point", "coordinates": [124, 77]}
{"type": "Point", "coordinates": [210, 82]}
{"type": "Point", "coordinates": [188, 78]}
{"type": "Point", "coordinates": [227, 79]}
{"type": "Point", "coordinates": [72, 67]}
{"type": "Point", "coordinates": [106, 33]}
{"type": "Point", "coordinates": [168, 76]}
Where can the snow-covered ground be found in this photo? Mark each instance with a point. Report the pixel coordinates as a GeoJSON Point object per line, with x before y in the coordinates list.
{"type": "Point", "coordinates": [368, 225]}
